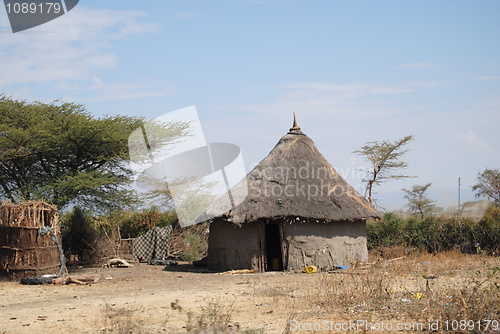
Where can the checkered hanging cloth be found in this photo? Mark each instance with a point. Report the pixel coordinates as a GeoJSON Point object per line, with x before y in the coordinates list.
{"type": "Point", "coordinates": [152, 245]}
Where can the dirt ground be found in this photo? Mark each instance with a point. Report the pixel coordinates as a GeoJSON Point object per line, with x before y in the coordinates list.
{"type": "Point", "coordinates": [147, 290]}
{"type": "Point", "coordinates": [156, 299]}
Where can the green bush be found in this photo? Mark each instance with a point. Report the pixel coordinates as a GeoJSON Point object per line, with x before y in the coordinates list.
{"type": "Point", "coordinates": [79, 236]}
{"type": "Point", "coordinates": [437, 234]}
{"type": "Point", "coordinates": [385, 233]}
{"type": "Point", "coordinates": [195, 247]}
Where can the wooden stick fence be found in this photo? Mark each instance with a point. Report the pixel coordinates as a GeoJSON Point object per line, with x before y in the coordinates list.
{"type": "Point", "coordinates": [29, 214]}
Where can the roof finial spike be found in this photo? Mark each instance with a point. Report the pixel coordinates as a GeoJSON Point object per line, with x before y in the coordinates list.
{"type": "Point", "coordinates": [294, 127]}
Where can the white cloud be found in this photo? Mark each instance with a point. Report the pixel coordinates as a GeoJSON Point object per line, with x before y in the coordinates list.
{"type": "Point", "coordinates": [419, 66]}
{"type": "Point", "coordinates": [72, 47]}
{"type": "Point", "coordinates": [473, 140]}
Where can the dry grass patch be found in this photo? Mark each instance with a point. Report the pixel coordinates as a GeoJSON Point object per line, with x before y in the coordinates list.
{"type": "Point", "coordinates": [419, 289]}
{"type": "Point", "coordinates": [215, 316]}
{"type": "Point", "coordinates": [118, 320]}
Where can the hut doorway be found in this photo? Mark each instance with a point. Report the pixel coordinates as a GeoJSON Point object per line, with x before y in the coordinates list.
{"type": "Point", "coordinates": [274, 258]}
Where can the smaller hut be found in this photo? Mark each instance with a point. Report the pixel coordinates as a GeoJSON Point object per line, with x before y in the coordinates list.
{"type": "Point", "coordinates": [29, 240]}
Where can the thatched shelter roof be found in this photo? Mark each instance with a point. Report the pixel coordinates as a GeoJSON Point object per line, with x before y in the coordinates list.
{"type": "Point", "coordinates": [296, 180]}
{"type": "Point", "coordinates": [29, 214]}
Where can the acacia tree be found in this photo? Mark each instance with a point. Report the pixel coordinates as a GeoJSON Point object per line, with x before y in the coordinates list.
{"type": "Point", "coordinates": [418, 202]}
{"type": "Point", "coordinates": [488, 184]}
{"type": "Point", "coordinates": [385, 159]}
{"type": "Point", "coordinates": [60, 153]}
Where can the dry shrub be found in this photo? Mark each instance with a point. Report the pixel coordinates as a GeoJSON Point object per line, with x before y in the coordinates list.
{"type": "Point", "coordinates": [215, 317]}
{"type": "Point", "coordinates": [110, 245]}
{"type": "Point", "coordinates": [122, 321]}
{"type": "Point", "coordinates": [353, 289]}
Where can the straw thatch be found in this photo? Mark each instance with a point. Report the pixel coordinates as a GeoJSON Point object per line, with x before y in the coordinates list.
{"type": "Point", "coordinates": [296, 180]}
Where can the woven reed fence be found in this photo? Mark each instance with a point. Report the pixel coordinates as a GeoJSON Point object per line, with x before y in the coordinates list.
{"type": "Point", "coordinates": [24, 250]}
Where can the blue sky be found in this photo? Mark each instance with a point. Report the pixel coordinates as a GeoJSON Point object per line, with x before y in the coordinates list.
{"type": "Point", "coordinates": [353, 71]}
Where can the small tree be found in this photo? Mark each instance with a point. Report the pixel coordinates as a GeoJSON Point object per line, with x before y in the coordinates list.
{"type": "Point", "coordinates": [418, 202]}
{"type": "Point", "coordinates": [385, 158]}
{"type": "Point", "coordinates": [79, 237]}
{"type": "Point", "coordinates": [488, 184]}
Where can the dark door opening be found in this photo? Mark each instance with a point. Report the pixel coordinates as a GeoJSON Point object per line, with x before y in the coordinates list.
{"type": "Point", "coordinates": [274, 260]}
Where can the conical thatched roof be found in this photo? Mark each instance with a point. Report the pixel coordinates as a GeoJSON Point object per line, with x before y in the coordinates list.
{"type": "Point", "coordinates": [296, 180]}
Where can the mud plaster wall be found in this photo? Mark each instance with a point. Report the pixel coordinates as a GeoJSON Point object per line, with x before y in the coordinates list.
{"type": "Point", "coordinates": [324, 245]}
{"type": "Point", "coordinates": [231, 247]}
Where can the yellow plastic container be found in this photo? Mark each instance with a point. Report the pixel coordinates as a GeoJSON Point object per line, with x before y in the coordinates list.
{"type": "Point", "coordinates": [311, 270]}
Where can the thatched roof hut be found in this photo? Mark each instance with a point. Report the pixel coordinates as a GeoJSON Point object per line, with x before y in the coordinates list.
{"type": "Point", "coordinates": [299, 212]}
